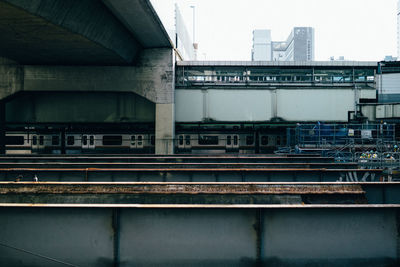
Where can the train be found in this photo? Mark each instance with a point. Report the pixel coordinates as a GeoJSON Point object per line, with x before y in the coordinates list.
{"type": "Point", "coordinates": [197, 140]}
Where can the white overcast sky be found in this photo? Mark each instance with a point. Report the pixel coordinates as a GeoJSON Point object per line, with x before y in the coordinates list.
{"type": "Point", "coordinates": [355, 29]}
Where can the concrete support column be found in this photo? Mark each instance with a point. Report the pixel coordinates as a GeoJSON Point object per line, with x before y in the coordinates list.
{"type": "Point", "coordinates": [165, 129]}
{"type": "Point", "coordinates": [2, 127]}
{"type": "Point", "coordinates": [11, 77]}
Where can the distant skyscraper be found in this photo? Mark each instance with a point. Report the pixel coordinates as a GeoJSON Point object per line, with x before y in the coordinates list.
{"type": "Point", "coordinates": [398, 29]}
{"type": "Point", "coordinates": [261, 45]}
{"type": "Point", "coordinates": [299, 46]}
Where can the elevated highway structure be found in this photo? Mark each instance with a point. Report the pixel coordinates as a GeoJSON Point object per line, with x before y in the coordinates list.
{"type": "Point", "coordinates": [65, 61]}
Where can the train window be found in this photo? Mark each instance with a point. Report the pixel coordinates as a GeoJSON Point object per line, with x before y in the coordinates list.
{"type": "Point", "coordinates": [181, 140]}
{"type": "Point", "coordinates": [70, 140]}
{"type": "Point", "coordinates": [153, 140]}
{"type": "Point", "coordinates": [187, 140]}
{"type": "Point", "coordinates": [91, 140]}
{"type": "Point", "coordinates": [55, 140]}
{"type": "Point", "coordinates": [84, 140]}
{"type": "Point", "coordinates": [264, 140]}
{"type": "Point", "coordinates": [208, 140]}
{"type": "Point", "coordinates": [41, 140]}
{"type": "Point", "coordinates": [112, 140]}
{"type": "Point", "coordinates": [15, 140]}
{"type": "Point", "coordinates": [249, 140]}
{"type": "Point", "coordinates": [140, 139]}
{"type": "Point", "coordinates": [34, 140]}
{"type": "Point", "coordinates": [228, 140]}
{"type": "Point", "coordinates": [133, 140]}
{"type": "Point", "coordinates": [235, 140]}
{"type": "Point", "coordinates": [278, 140]}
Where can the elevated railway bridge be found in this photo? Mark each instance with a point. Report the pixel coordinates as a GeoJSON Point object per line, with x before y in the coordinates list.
{"type": "Point", "coordinates": [93, 106]}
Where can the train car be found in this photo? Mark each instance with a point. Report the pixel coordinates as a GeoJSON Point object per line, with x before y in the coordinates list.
{"type": "Point", "coordinates": [209, 139]}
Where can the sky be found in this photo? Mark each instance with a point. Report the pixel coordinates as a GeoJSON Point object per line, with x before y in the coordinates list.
{"type": "Point", "coordinates": [364, 30]}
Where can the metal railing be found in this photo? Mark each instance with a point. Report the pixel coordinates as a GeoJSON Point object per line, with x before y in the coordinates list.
{"type": "Point", "coordinates": [203, 79]}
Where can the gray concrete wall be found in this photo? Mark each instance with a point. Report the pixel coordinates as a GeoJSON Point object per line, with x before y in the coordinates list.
{"type": "Point", "coordinates": [153, 77]}
{"type": "Point", "coordinates": [200, 237]}
{"type": "Point", "coordinates": [62, 107]}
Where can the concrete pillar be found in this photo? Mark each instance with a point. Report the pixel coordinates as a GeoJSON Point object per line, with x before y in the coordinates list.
{"type": "Point", "coordinates": [165, 129]}
{"type": "Point", "coordinates": [11, 77]}
{"type": "Point", "coordinates": [2, 127]}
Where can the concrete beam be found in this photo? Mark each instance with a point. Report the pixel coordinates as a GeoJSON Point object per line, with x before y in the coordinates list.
{"type": "Point", "coordinates": [152, 78]}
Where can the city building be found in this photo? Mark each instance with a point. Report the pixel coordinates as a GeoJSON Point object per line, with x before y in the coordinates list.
{"type": "Point", "coordinates": [261, 45]}
{"type": "Point", "coordinates": [299, 46]}
{"type": "Point", "coordinates": [398, 29]}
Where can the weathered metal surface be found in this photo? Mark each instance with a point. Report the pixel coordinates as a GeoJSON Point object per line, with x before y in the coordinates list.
{"type": "Point", "coordinates": [180, 158]}
{"type": "Point", "coordinates": [190, 174]}
{"type": "Point", "coordinates": [178, 188]}
{"type": "Point", "coordinates": [180, 193]}
{"type": "Point", "coordinates": [156, 165]}
{"type": "Point", "coordinates": [334, 236]}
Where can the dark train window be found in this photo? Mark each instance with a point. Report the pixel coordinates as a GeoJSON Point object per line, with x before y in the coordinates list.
{"type": "Point", "coordinates": [41, 140]}
{"type": "Point", "coordinates": [14, 140]}
{"type": "Point", "coordinates": [278, 140]}
{"type": "Point", "coordinates": [181, 140]}
{"type": "Point", "coordinates": [34, 140]}
{"type": "Point", "coordinates": [264, 140]}
{"type": "Point", "coordinates": [228, 140]}
{"type": "Point", "coordinates": [153, 140]}
{"type": "Point", "coordinates": [55, 140]}
{"type": "Point", "coordinates": [70, 140]}
{"type": "Point", "coordinates": [249, 140]}
{"type": "Point", "coordinates": [133, 140]}
{"type": "Point", "coordinates": [91, 140]}
{"type": "Point", "coordinates": [208, 140]}
{"type": "Point", "coordinates": [84, 140]}
{"type": "Point", "coordinates": [235, 140]}
{"type": "Point", "coordinates": [187, 140]}
{"type": "Point", "coordinates": [112, 140]}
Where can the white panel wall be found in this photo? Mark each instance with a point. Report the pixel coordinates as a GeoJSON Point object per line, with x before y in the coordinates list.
{"type": "Point", "coordinates": [391, 83]}
{"type": "Point", "coordinates": [315, 105]}
{"type": "Point", "coordinates": [239, 105]}
{"type": "Point", "coordinates": [188, 105]}
{"type": "Point", "coordinates": [256, 105]}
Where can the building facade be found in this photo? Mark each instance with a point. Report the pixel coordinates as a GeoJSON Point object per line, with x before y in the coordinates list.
{"type": "Point", "coordinates": [398, 29]}
{"type": "Point", "coordinates": [299, 46]}
{"type": "Point", "coordinates": [261, 45]}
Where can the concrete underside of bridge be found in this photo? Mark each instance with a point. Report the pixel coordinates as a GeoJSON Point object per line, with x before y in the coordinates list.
{"type": "Point", "coordinates": [141, 93]}
{"type": "Point", "coordinates": [105, 51]}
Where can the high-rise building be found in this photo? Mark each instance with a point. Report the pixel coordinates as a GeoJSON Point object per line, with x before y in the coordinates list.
{"type": "Point", "coordinates": [398, 29]}
{"type": "Point", "coordinates": [299, 46]}
{"type": "Point", "coordinates": [261, 45]}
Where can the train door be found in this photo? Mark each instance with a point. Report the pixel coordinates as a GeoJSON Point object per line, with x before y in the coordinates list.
{"type": "Point", "coordinates": [88, 142]}
{"type": "Point", "coordinates": [232, 142]}
{"type": "Point", "coordinates": [37, 142]}
{"type": "Point", "coordinates": [140, 141]}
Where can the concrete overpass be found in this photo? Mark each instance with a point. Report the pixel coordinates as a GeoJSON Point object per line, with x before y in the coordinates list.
{"type": "Point", "coordinates": [91, 48]}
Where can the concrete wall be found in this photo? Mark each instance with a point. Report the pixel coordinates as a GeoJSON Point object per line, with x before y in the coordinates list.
{"type": "Point", "coordinates": [40, 107]}
{"type": "Point", "coordinates": [326, 104]}
{"type": "Point", "coordinates": [200, 237]}
{"type": "Point", "coordinates": [152, 78]}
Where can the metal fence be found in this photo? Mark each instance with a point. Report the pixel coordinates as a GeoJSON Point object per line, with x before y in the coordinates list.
{"type": "Point", "coordinates": [333, 136]}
